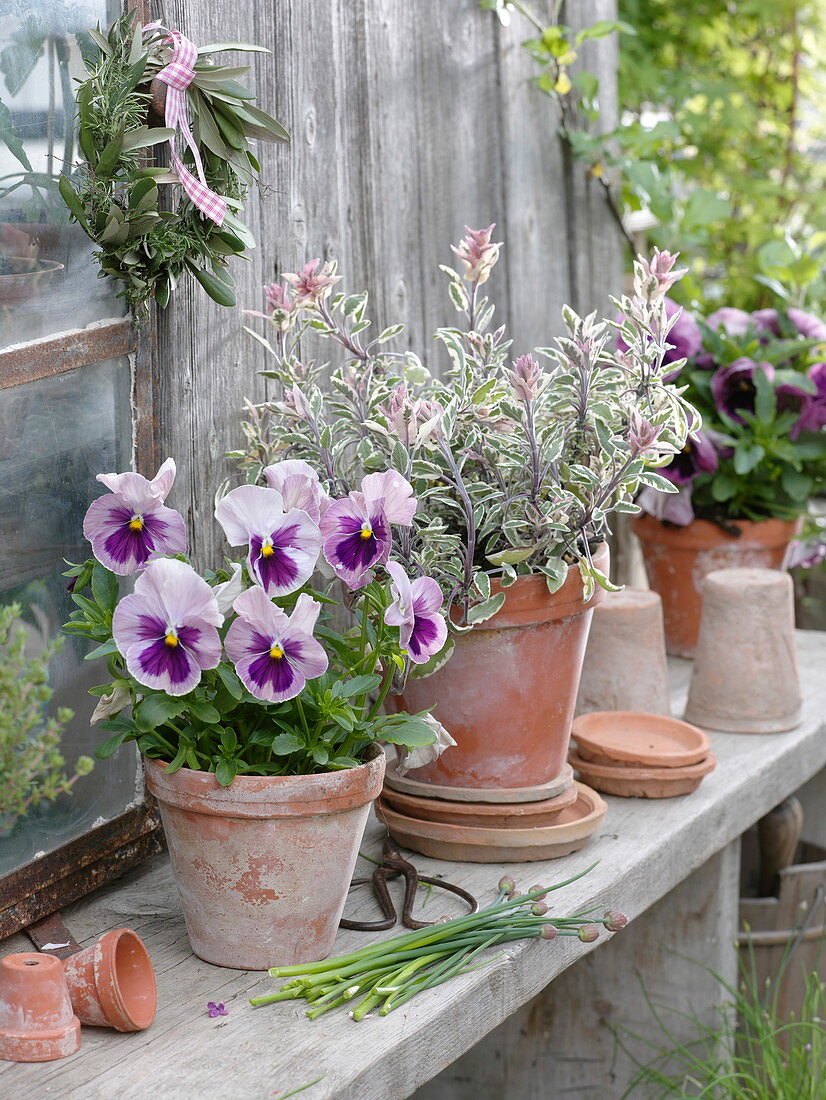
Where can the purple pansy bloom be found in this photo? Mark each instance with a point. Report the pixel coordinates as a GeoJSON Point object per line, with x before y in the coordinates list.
{"type": "Point", "coordinates": [415, 611]}
{"type": "Point", "coordinates": [299, 486]}
{"type": "Point", "coordinates": [274, 653]}
{"type": "Point", "coordinates": [356, 530]}
{"type": "Point", "coordinates": [732, 387]}
{"type": "Point", "coordinates": [218, 1009]}
{"type": "Point", "coordinates": [283, 545]}
{"type": "Point", "coordinates": [698, 456]}
{"type": "Point", "coordinates": [735, 322]}
{"type": "Point", "coordinates": [810, 327]}
{"type": "Point", "coordinates": [811, 406]}
{"type": "Point", "coordinates": [129, 526]}
{"type": "Point", "coordinates": [166, 629]}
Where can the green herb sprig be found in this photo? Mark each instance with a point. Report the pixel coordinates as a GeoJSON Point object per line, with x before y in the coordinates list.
{"type": "Point", "coordinates": [387, 975]}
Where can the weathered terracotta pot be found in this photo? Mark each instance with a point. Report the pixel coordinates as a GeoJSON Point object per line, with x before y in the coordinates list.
{"type": "Point", "coordinates": [263, 866]}
{"type": "Point", "coordinates": [507, 694]}
{"type": "Point", "coordinates": [36, 1019]}
{"type": "Point", "coordinates": [112, 983]}
{"type": "Point", "coordinates": [745, 677]}
{"type": "Point", "coordinates": [678, 558]}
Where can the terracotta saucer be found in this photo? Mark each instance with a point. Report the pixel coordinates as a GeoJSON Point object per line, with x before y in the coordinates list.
{"type": "Point", "coordinates": [540, 793]}
{"type": "Point", "coordinates": [643, 782]}
{"type": "Point", "coordinates": [486, 815]}
{"type": "Point", "coordinates": [645, 740]}
{"type": "Point", "coordinates": [466, 844]}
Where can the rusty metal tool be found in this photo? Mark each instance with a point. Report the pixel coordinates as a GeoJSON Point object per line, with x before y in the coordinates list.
{"type": "Point", "coordinates": [394, 865]}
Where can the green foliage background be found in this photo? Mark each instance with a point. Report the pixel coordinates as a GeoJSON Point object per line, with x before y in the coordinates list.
{"type": "Point", "coordinates": [723, 138]}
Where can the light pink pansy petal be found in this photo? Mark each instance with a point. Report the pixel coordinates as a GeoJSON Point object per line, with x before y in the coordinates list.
{"type": "Point", "coordinates": [299, 486]}
{"type": "Point", "coordinates": [257, 608]}
{"type": "Point", "coordinates": [182, 592]}
{"type": "Point", "coordinates": [164, 479]}
{"type": "Point", "coordinates": [305, 614]}
{"type": "Point", "coordinates": [249, 509]}
{"type": "Point", "coordinates": [393, 494]}
{"type": "Point", "coordinates": [228, 591]}
{"type": "Point", "coordinates": [427, 595]}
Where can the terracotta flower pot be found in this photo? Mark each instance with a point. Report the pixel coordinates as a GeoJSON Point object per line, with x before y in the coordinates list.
{"type": "Point", "coordinates": [36, 1019]}
{"type": "Point", "coordinates": [263, 866]}
{"type": "Point", "coordinates": [678, 558]}
{"type": "Point", "coordinates": [112, 983]}
{"type": "Point", "coordinates": [507, 694]}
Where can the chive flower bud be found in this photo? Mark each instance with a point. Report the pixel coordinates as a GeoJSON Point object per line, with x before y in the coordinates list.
{"type": "Point", "coordinates": [539, 897]}
{"type": "Point", "coordinates": [539, 908]}
{"type": "Point", "coordinates": [588, 933]}
{"type": "Point", "coordinates": [548, 932]}
{"type": "Point", "coordinates": [507, 884]}
{"type": "Point", "coordinates": [614, 920]}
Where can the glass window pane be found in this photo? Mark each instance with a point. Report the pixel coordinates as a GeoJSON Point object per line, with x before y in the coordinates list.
{"type": "Point", "coordinates": [48, 279]}
{"type": "Point", "coordinates": [56, 434]}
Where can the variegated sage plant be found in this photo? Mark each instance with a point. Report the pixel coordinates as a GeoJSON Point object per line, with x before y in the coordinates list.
{"type": "Point", "coordinates": [517, 464]}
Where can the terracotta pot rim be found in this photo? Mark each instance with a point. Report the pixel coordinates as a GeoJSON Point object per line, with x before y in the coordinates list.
{"type": "Point", "coordinates": [602, 737]}
{"type": "Point", "coordinates": [528, 601]}
{"type": "Point", "coordinates": [266, 796]}
{"type": "Point", "coordinates": [703, 533]}
{"type": "Point", "coordinates": [118, 1007]}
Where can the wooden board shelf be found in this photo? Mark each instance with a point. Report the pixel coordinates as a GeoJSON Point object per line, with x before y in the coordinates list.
{"type": "Point", "coordinates": [646, 850]}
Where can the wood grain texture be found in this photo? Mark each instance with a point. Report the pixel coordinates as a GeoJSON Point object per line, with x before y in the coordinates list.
{"type": "Point", "coordinates": [645, 849]}
{"type": "Point", "coordinates": [408, 122]}
{"type": "Point", "coordinates": [562, 1042]}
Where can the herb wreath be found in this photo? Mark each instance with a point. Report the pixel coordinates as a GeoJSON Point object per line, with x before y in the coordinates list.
{"type": "Point", "coordinates": [115, 195]}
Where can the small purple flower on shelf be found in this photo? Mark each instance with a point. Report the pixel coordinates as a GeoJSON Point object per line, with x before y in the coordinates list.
{"type": "Point", "coordinates": [218, 1009]}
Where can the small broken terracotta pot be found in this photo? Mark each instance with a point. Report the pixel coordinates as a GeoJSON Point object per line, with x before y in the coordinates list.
{"type": "Point", "coordinates": [745, 673]}
{"type": "Point", "coordinates": [263, 866]}
{"type": "Point", "coordinates": [112, 983]}
{"type": "Point", "coordinates": [628, 782]}
{"type": "Point", "coordinates": [677, 559]}
{"type": "Point", "coordinates": [517, 815]}
{"type": "Point", "coordinates": [507, 694]}
{"type": "Point", "coordinates": [36, 1019]}
{"type": "Point", "coordinates": [625, 664]}
{"type": "Point", "coordinates": [642, 740]}
{"type": "Point", "coordinates": [466, 844]}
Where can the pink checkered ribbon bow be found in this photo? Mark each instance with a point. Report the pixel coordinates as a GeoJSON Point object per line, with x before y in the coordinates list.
{"type": "Point", "coordinates": [178, 75]}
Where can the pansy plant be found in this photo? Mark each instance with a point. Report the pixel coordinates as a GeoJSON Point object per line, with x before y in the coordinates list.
{"type": "Point", "coordinates": [242, 672]}
{"type": "Point", "coordinates": [759, 380]}
{"type": "Point", "coordinates": [515, 463]}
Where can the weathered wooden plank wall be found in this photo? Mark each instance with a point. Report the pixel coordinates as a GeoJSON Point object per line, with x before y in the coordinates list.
{"type": "Point", "coordinates": [409, 120]}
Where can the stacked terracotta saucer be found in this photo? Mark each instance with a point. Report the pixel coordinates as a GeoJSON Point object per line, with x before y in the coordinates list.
{"type": "Point", "coordinates": [640, 755]}
{"type": "Point", "coordinates": [489, 826]}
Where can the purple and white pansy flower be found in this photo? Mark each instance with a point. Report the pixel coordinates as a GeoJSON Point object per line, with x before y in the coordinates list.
{"type": "Point", "coordinates": [167, 628]}
{"type": "Point", "coordinates": [415, 611]}
{"type": "Point", "coordinates": [299, 486]}
{"type": "Point", "coordinates": [274, 653]}
{"type": "Point", "coordinates": [356, 529]}
{"type": "Point", "coordinates": [131, 524]}
{"type": "Point", "coordinates": [283, 545]}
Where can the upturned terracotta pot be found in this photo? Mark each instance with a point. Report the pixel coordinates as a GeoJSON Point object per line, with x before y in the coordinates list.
{"type": "Point", "coordinates": [263, 866]}
{"type": "Point", "coordinates": [112, 983]}
{"type": "Point", "coordinates": [507, 694]}
{"type": "Point", "coordinates": [678, 558]}
{"type": "Point", "coordinates": [36, 1019]}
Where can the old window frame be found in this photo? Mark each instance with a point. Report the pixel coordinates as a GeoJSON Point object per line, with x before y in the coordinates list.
{"type": "Point", "coordinates": [101, 854]}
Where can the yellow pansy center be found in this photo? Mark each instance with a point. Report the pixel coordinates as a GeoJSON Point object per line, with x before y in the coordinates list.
{"type": "Point", "coordinates": [267, 550]}
{"type": "Point", "coordinates": [367, 531]}
{"type": "Point", "coordinates": [277, 652]}
{"type": "Point", "coordinates": [136, 523]}
{"type": "Point", "coordinates": [171, 639]}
